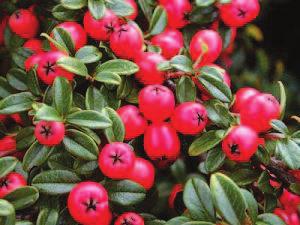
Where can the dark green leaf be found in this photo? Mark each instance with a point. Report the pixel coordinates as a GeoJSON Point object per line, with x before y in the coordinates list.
{"type": "Point", "coordinates": [289, 152]}
{"type": "Point", "coordinates": [97, 8]}
{"type": "Point", "coordinates": [61, 161]}
{"type": "Point", "coordinates": [73, 65]}
{"type": "Point", "coordinates": [16, 103]}
{"type": "Point", "coordinates": [116, 132]}
{"type": "Point", "coordinates": [158, 21]}
{"type": "Point", "coordinates": [63, 96]}
{"type": "Point", "coordinates": [63, 14]}
{"type": "Point", "coordinates": [244, 176]}
{"type": "Point", "coordinates": [263, 183]}
{"type": "Point", "coordinates": [73, 4]}
{"type": "Point", "coordinates": [6, 208]}
{"type": "Point", "coordinates": [270, 219]}
{"type": "Point", "coordinates": [120, 7]}
{"type": "Point", "coordinates": [33, 83]}
{"type": "Point", "coordinates": [206, 142]}
{"type": "Point", "coordinates": [118, 66]}
{"type": "Point", "coordinates": [5, 88]}
{"type": "Point", "coordinates": [89, 53]}
{"type": "Point", "coordinates": [47, 216]}
{"type": "Point", "coordinates": [17, 79]}
{"type": "Point", "coordinates": [215, 159]}
{"type": "Point", "coordinates": [180, 220]}
{"type": "Point", "coordinates": [7, 165]}
{"type": "Point", "coordinates": [178, 170]}
{"type": "Point", "coordinates": [48, 113]}
{"type": "Point", "coordinates": [182, 63]}
{"type": "Point", "coordinates": [204, 3]}
{"type": "Point", "coordinates": [147, 7]}
{"type": "Point", "coordinates": [252, 206]}
{"type": "Point", "coordinates": [55, 182]}
{"type": "Point", "coordinates": [108, 78]}
{"type": "Point", "coordinates": [282, 99]}
{"type": "Point", "coordinates": [86, 168]}
{"type": "Point", "coordinates": [186, 90]}
{"type": "Point", "coordinates": [94, 100]}
{"type": "Point", "coordinates": [25, 138]}
{"type": "Point", "coordinates": [228, 199]}
{"type": "Point", "coordinates": [280, 126]}
{"type": "Point", "coordinates": [20, 55]}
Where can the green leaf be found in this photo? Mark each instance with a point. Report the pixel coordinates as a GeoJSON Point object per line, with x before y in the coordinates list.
{"type": "Point", "coordinates": [125, 192]}
{"type": "Point", "coordinates": [5, 88]}
{"type": "Point", "coordinates": [263, 183]}
{"type": "Point", "coordinates": [212, 81]}
{"type": "Point", "coordinates": [108, 78]}
{"type": "Point", "coordinates": [47, 216]}
{"type": "Point", "coordinates": [118, 66]}
{"type": "Point", "coordinates": [182, 63]}
{"type": "Point", "coordinates": [204, 3]}
{"type": "Point", "coordinates": [23, 197]}
{"type": "Point", "coordinates": [116, 132]}
{"type": "Point", "coordinates": [48, 113]}
{"type": "Point", "coordinates": [7, 165]}
{"type": "Point", "coordinates": [206, 142]}
{"type": "Point", "coordinates": [63, 95]}
{"type": "Point", "coordinates": [17, 79]}
{"type": "Point", "coordinates": [147, 7]}
{"type": "Point", "coordinates": [89, 53]}
{"type": "Point", "coordinates": [178, 220]}
{"type": "Point", "coordinates": [228, 199]}
{"type": "Point", "coordinates": [23, 222]}
{"type": "Point", "coordinates": [55, 182]}
{"type": "Point", "coordinates": [61, 13]}
{"type": "Point", "coordinates": [73, 65]}
{"type": "Point", "coordinates": [97, 8]}
{"type": "Point", "coordinates": [6, 208]}
{"type": "Point", "coordinates": [282, 99]}
{"type": "Point", "coordinates": [252, 206]}
{"type": "Point", "coordinates": [186, 90]}
{"type": "Point", "coordinates": [86, 168]}
{"type": "Point", "coordinates": [81, 145]}
{"type": "Point", "coordinates": [158, 21]}
{"type": "Point", "coordinates": [73, 4]}
{"type": "Point", "coordinates": [94, 100]}
{"type": "Point", "coordinates": [90, 119]}
{"type": "Point", "coordinates": [270, 219]}
{"type": "Point", "coordinates": [214, 160]}
{"type": "Point", "coordinates": [33, 83]}
{"type": "Point", "coordinates": [61, 161]}
{"type": "Point", "coordinates": [289, 152]}
{"type": "Point", "coordinates": [178, 170]}
{"type": "Point", "coordinates": [244, 176]}
{"type": "Point", "coordinates": [25, 138]}
{"type": "Point", "coordinates": [20, 55]}
{"type": "Point", "coordinates": [279, 126]}
{"type": "Point", "coordinates": [120, 7]}
{"type": "Point", "coordinates": [16, 103]}
{"type": "Point", "coordinates": [197, 198]}
{"type": "Point", "coordinates": [63, 37]}
{"type": "Point", "coordinates": [36, 155]}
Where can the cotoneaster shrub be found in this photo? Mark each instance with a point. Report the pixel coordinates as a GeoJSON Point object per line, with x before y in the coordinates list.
{"type": "Point", "coordinates": [123, 112]}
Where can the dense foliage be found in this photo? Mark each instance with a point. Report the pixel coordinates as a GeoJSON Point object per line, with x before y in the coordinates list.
{"type": "Point", "coordinates": [123, 112]}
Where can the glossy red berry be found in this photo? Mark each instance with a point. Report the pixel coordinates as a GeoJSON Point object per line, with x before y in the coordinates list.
{"type": "Point", "coordinates": [88, 204]}
{"type": "Point", "coordinates": [127, 41]}
{"type": "Point", "coordinates": [177, 12]}
{"type": "Point", "coordinates": [162, 144]}
{"type": "Point", "coordinates": [143, 173]}
{"type": "Point", "coordinates": [116, 160]}
{"type": "Point", "coordinates": [48, 69]}
{"type": "Point", "coordinates": [8, 143]}
{"type": "Point", "coordinates": [134, 122]}
{"type": "Point", "coordinates": [205, 47]}
{"type": "Point", "coordinates": [49, 133]}
{"type": "Point", "coordinates": [260, 110]}
{"type": "Point", "coordinates": [35, 45]}
{"type": "Point", "coordinates": [156, 102]}
{"type": "Point", "coordinates": [100, 29]}
{"type": "Point", "coordinates": [3, 23]}
{"type": "Point", "coordinates": [240, 143]}
{"type": "Point", "coordinates": [148, 72]}
{"type": "Point", "coordinates": [77, 34]}
{"type": "Point", "coordinates": [176, 198]}
{"type": "Point", "coordinates": [189, 118]}
{"type": "Point", "coordinates": [242, 96]}
{"type": "Point", "coordinates": [170, 41]}
{"type": "Point", "coordinates": [289, 201]}
{"type": "Point", "coordinates": [133, 4]}
{"type": "Point", "coordinates": [33, 60]}
{"type": "Point", "coordinates": [24, 23]}
{"type": "Point", "coordinates": [10, 183]}
{"type": "Point", "coordinates": [237, 13]}
{"type": "Point", "coordinates": [129, 218]}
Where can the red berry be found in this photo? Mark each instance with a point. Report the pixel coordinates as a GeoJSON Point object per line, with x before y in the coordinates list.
{"type": "Point", "coordinates": [3, 24]}
{"type": "Point", "coordinates": [240, 143]}
{"type": "Point", "coordinates": [35, 45]}
{"type": "Point", "coordinates": [148, 72]}
{"type": "Point", "coordinates": [135, 9]}
{"type": "Point", "coordinates": [49, 133]}
{"type": "Point", "coordinates": [2, 117]}
{"type": "Point", "coordinates": [207, 45]}
{"type": "Point", "coordinates": [289, 201]}
{"type": "Point", "coordinates": [143, 173]}
{"type": "Point", "coordinates": [127, 41]}
{"type": "Point", "coordinates": [156, 102]}
{"type": "Point", "coordinates": [48, 69]}
{"type": "Point", "coordinates": [226, 79]}
{"type": "Point", "coordinates": [116, 160]}
{"type": "Point", "coordinates": [176, 198]}
{"type": "Point", "coordinates": [260, 110]}
{"type": "Point", "coordinates": [162, 144]}
{"type": "Point", "coordinates": [77, 34]}
{"type": "Point", "coordinates": [24, 23]}
{"type": "Point", "coordinates": [135, 124]}
{"type": "Point", "coordinates": [242, 96]}
{"type": "Point", "coordinates": [129, 218]}
{"type": "Point", "coordinates": [237, 13]}
{"type": "Point", "coordinates": [296, 174]}
{"type": "Point", "coordinates": [177, 12]}
{"type": "Point", "coordinates": [170, 41]}
{"type": "Point", "coordinates": [10, 183]}
{"type": "Point", "coordinates": [33, 60]}
{"type": "Point", "coordinates": [8, 143]}
{"type": "Point", "coordinates": [88, 204]}
{"type": "Point", "coordinates": [189, 118]}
